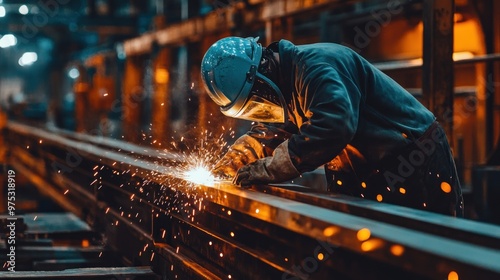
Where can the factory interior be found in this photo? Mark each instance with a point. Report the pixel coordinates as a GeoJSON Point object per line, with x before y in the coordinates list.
{"type": "Point", "coordinates": [107, 129]}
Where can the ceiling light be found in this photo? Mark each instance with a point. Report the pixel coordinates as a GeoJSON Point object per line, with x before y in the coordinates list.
{"type": "Point", "coordinates": [28, 58]}
{"type": "Point", "coordinates": [23, 10]}
{"type": "Point", "coordinates": [8, 40]}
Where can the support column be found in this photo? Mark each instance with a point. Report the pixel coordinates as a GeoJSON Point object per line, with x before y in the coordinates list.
{"type": "Point", "coordinates": [438, 75]}
{"type": "Point", "coordinates": [133, 95]}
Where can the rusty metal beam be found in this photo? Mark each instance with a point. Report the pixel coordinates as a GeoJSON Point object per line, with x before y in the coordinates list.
{"type": "Point", "coordinates": [437, 74]}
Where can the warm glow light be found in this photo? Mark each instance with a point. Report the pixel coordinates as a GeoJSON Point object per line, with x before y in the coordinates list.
{"type": "Point", "coordinates": [397, 250]}
{"type": "Point", "coordinates": [199, 175]}
{"type": "Point", "coordinates": [379, 197]}
{"type": "Point", "coordinates": [453, 275]}
{"type": "Point", "coordinates": [445, 187]}
{"type": "Point", "coordinates": [462, 55]}
{"type": "Point", "coordinates": [329, 231]}
{"type": "Point", "coordinates": [402, 190]}
{"type": "Point", "coordinates": [161, 76]}
{"type": "Point", "coordinates": [458, 17]}
{"type": "Point", "coordinates": [85, 243]}
{"type": "Point", "coordinates": [363, 184]}
{"type": "Point", "coordinates": [371, 245]}
{"type": "Point", "coordinates": [363, 234]}
{"type": "Point", "coordinates": [321, 256]}
{"type": "Point", "coordinates": [339, 182]}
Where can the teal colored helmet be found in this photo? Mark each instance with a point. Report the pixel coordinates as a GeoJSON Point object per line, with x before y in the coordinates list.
{"type": "Point", "coordinates": [230, 74]}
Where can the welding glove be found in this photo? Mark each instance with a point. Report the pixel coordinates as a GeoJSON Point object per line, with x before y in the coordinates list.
{"type": "Point", "coordinates": [275, 169]}
{"type": "Point", "coordinates": [244, 150]}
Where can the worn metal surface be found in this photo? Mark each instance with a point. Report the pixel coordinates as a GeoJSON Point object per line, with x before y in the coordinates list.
{"type": "Point", "coordinates": [266, 232]}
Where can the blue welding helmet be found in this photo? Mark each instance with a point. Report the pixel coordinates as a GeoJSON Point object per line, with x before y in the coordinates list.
{"type": "Point", "coordinates": [230, 74]}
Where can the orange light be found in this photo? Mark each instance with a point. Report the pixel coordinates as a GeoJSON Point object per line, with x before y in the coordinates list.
{"type": "Point", "coordinates": [371, 245]}
{"type": "Point", "coordinates": [363, 234]}
{"type": "Point", "coordinates": [85, 243]}
{"type": "Point", "coordinates": [339, 182]}
{"type": "Point", "coordinates": [161, 76]}
{"type": "Point", "coordinates": [453, 275]}
{"type": "Point", "coordinates": [458, 17]}
{"type": "Point", "coordinates": [402, 190]}
{"type": "Point", "coordinates": [397, 250]}
{"type": "Point", "coordinates": [331, 230]}
{"type": "Point", "coordinates": [321, 256]}
{"type": "Point", "coordinates": [445, 187]}
{"type": "Point", "coordinates": [379, 197]}
{"type": "Point", "coordinates": [363, 184]}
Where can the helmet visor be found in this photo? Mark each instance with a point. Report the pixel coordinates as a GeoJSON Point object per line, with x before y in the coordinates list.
{"type": "Point", "coordinates": [263, 105]}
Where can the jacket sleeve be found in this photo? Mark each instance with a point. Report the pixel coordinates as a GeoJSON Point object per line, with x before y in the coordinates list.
{"type": "Point", "coordinates": [330, 100]}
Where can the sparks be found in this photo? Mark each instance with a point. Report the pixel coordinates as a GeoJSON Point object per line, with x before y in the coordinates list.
{"type": "Point", "coordinates": [200, 175]}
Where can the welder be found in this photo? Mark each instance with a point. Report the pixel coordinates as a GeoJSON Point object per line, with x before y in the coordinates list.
{"type": "Point", "coordinates": [323, 104]}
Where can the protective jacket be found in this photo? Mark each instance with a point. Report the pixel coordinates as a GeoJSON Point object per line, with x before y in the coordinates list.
{"type": "Point", "coordinates": [346, 114]}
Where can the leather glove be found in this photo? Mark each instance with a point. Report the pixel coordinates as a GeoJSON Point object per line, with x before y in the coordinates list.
{"type": "Point", "coordinates": [275, 169]}
{"type": "Point", "coordinates": [244, 150]}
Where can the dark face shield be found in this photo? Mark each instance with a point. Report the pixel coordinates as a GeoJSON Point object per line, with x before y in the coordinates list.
{"type": "Point", "coordinates": [265, 103]}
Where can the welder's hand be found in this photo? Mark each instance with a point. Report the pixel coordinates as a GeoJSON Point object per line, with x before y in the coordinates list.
{"type": "Point", "coordinates": [245, 150]}
{"type": "Point", "coordinates": [226, 168]}
{"type": "Point", "coordinates": [275, 169]}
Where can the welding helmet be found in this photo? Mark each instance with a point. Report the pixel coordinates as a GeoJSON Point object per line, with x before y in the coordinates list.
{"type": "Point", "coordinates": [230, 74]}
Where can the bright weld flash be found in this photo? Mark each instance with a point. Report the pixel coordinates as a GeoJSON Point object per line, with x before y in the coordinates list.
{"type": "Point", "coordinates": [199, 175]}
